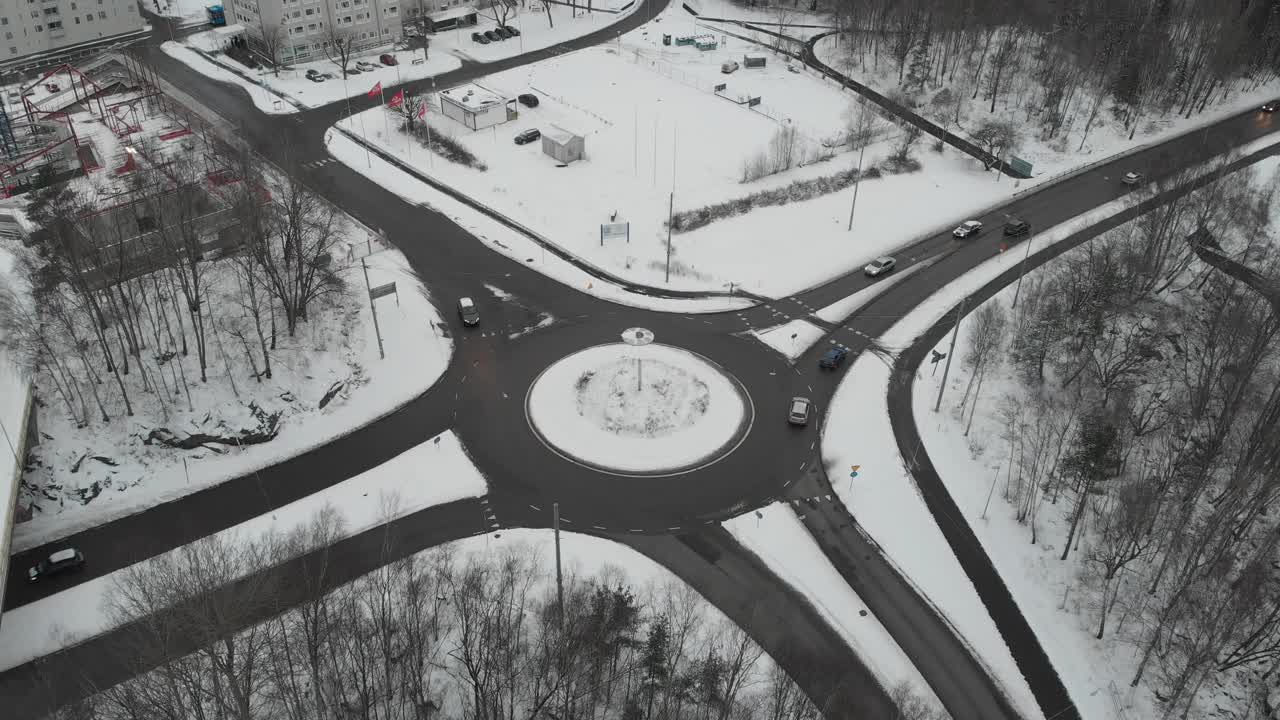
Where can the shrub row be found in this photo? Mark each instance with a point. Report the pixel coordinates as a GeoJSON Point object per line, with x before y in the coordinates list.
{"type": "Point", "coordinates": [446, 147]}
{"type": "Point", "coordinates": [687, 220]}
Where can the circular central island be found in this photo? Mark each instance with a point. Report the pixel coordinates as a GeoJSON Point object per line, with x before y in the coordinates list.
{"type": "Point", "coordinates": [642, 410]}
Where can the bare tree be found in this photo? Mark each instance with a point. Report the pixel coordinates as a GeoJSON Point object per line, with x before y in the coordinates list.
{"type": "Point", "coordinates": [272, 41]}
{"type": "Point", "coordinates": [339, 46]}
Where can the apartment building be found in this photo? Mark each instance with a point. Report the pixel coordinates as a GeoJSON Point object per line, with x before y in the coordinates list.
{"type": "Point", "coordinates": [305, 26]}
{"type": "Point", "coordinates": [44, 32]}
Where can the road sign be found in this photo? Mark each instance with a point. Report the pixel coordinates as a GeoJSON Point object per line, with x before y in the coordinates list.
{"type": "Point", "coordinates": [721, 87]}
{"type": "Point", "coordinates": [753, 102]}
{"type": "Point", "coordinates": [382, 291]}
{"type": "Point", "coordinates": [854, 472]}
{"type": "Point", "coordinates": [937, 356]}
{"type": "Point", "coordinates": [615, 231]}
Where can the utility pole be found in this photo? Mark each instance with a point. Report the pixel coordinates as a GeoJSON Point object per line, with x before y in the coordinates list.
{"type": "Point", "coordinates": [954, 332]}
{"type": "Point", "coordinates": [1021, 272]}
{"type": "Point", "coordinates": [378, 331]}
{"type": "Point", "coordinates": [671, 206]}
{"type": "Point", "coordinates": [857, 179]}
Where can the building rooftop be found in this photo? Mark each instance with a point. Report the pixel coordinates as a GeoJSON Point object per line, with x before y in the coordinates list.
{"type": "Point", "coordinates": [473, 97]}
{"type": "Point", "coordinates": [559, 134]}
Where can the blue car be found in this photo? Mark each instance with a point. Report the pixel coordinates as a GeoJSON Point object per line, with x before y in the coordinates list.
{"type": "Point", "coordinates": [833, 358]}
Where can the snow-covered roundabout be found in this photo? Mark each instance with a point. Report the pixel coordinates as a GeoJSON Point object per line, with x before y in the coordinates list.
{"type": "Point", "coordinates": [652, 410]}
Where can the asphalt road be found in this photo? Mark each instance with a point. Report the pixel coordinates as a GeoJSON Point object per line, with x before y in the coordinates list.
{"type": "Point", "coordinates": [481, 393]}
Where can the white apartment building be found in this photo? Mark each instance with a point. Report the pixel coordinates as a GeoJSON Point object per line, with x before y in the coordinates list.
{"type": "Point", "coordinates": [45, 32]}
{"type": "Point", "coordinates": [304, 27]}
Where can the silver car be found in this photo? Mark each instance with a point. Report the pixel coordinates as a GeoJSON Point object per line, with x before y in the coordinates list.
{"type": "Point", "coordinates": [880, 266]}
{"type": "Point", "coordinates": [799, 414]}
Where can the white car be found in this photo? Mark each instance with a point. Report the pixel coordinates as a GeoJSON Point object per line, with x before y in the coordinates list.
{"type": "Point", "coordinates": [728, 67]}
{"type": "Point", "coordinates": [1132, 178]}
{"type": "Point", "coordinates": [799, 413]}
{"type": "Point", "coordinates": [880, 266]}
{"type": "Point", "coordinates": [967, 228]}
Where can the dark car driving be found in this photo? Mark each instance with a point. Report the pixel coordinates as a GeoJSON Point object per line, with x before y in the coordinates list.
{"type": "Point", "coordinates": [1017, 227]}
{"type": "Point", "coordinates": [833, 358]}
{"type": "Point", "coordinates": [468, 312]}
{"type": "Point", "coordinates": [58, 562]}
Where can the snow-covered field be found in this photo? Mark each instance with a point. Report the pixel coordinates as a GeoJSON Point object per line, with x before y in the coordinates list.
{"type": "Point", "coordinates": [433, 473]}
{"type": "Point", "coordinates": [511, 243]}
{"type": "Point", "coordinates": [654, 128]}
{"type": "Point", "coordinates": [85, 476]}
{"type": "Point", "coordinates": [636, 409]}
{"type": "Point", "coordinates": [535, 31]}
{"type": "Point", "coordinates": [776, 536]}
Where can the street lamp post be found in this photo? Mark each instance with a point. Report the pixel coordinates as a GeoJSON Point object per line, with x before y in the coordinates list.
{"type": "Point", "coordinates": [637, 337]}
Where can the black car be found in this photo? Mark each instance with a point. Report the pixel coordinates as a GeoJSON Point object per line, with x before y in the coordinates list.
{"type": "Point", "coordinates": [477, 37]}
{"type": "Point", "coordinates": [514, 32]}
{"type": "Point", "coordinates": [1271, 106]}
{"type": "Point", "coordinates": [58, 562]}
{"type": "Point", "coordinates": [833, 357]}
{"type": "Point", "coordinates": [468, 312]}
{"type": "Point", "coordinates": [528, 136]}
{"type": "Point", "coordinates": [1017, 227]}
{"type": "Point", "coordinates": [503, 32]}
{"type": "Point", "coordinates": [528, 99]}
{"type": "Point", "coordinates": [493, 36]}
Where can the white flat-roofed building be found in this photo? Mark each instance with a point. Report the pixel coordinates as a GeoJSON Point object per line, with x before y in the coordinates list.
{"type": "Point", "coordinates": [475, 106]}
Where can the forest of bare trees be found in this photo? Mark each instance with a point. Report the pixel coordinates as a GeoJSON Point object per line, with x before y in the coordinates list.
{"type": "Point", "coordinates": [476, 636]}
{"type": "Point", "coordinates": [1059, 69]}
{"type": "Point", "coordinates": [1143, 436]}
{"type": "Point", "coordinates": [147, 297]}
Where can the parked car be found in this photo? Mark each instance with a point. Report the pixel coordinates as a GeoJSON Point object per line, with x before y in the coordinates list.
{"type": "Point", "coordinates": [1017, 227]}
{"type": "Point", "coordinates": [514, 32]}
{"type": "Point", "coordinates": [1131, 178]}
{"type": "Point", "coordinates": [1271, 106]}
{"type": "Point", "coordinates": [353, 71]}
{"type": "Point", "coordinates": [367, 66]}
{"type": "Point", "coordinates": [316, 78]}
{"type": "Point", "coordinates": [312, 72]}
{"type": "Point", "coordinates": [468, 312]}
{"type": "Point", "coordinates": [799, 414]}
{"type": "Point", "coordinates": [58, 562]}
{"type": "Point", "coordinates": [528, 136]}
{"type": "Point", "coordinates": [833, 357]}
{"type": "Point", "coordinates": [728, 67]}
{"type": "Point", "coordinates": [493, 36]}
{"type": "Point", "coordinates": [503, 32]}
{"type": "Point", "coordinates": [880, 266]}
{"type": "Point", "coordinates": [388, 59]}
{"type": "Point", "coordinates": [477, 37]}
{"type": "Point", "coordinates": [967, 228]}
{"type": "Point", "coordinates": [528, 99]}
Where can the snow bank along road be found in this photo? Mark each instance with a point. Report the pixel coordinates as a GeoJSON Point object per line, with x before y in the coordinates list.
{"type": "Point", "coordinates": [670, 519]}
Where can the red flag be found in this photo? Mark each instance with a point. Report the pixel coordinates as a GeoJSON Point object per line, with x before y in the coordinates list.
{"type": "Point", "coordinates": [422, 110]}
{"type": "Point", "coordinates": [376, 91]}
{"type": "Point", "coordinates": [396, 100]}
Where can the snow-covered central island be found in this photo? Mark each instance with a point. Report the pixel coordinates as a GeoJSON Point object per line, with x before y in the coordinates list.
{"type": "Point", "coordinates": [647, 410]}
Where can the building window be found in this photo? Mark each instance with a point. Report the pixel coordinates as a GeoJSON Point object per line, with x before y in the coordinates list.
{"type": "Point", "coordinates": [35, 13]}
{"type": "Point", "coordinates": [8, 36]}
{"type": "Point", "coordinates": [77, 18]}
{"type": "Point", "coordinates": [73, 6]}
{"type": "Point", "coordinates": [89, 17]}
{"type": "Point", "coordinates": [102, 15]}
{"type": "Point", "coordinates": [51, 11]}
{"type": "Point", "coordinates": [13, 50]}
{"type": "Point", "coordinates": [39, 28]}
{"type": "Point", "coordinates": [55, 25]}
{"type": "Point", "coordinates": [4, 21]}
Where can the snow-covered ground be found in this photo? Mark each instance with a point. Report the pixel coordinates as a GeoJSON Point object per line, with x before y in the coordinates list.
{"type": "Point", "coordinates": [636, 409]}
{"type": "Point", "coordinates": [654, 127]}
{"type": "Point", "coordinates": [436, 472]}
{"type": "Point", "coordinates": [885, 501]}
{"type": "Point", "coordinates": [71, 489]}
{"type": "Point", "coordinates": [837, 311]}
{"type": "Point", "coordinates": [535, 30]}
{"type": "Point", "coordinates": [776, 536]}
{"type": "Point", "coordinates": [509, 242]}
{"type": "Point", "coordinates": [790, 339]}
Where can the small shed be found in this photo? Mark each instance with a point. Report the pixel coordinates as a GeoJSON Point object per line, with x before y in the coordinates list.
{"type": "Point", "coordinates": [474, 106]}
{"type": "Point", "coordinates": [563, 145]}
{"type": "Point", "coordinates": [753, 61]}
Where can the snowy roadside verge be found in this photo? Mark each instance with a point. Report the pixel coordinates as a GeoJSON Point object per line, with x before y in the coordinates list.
{"type": "Point", "coordinates": [779, 539]}
{"type": "Point", "coordinates": [370, 387]}
{"type": "Point", "coordinates": [508, 241]}
{"type": "Point", "coordinates": [394, 489]}
{"type": "Point", "coordinates": [884, 498]}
